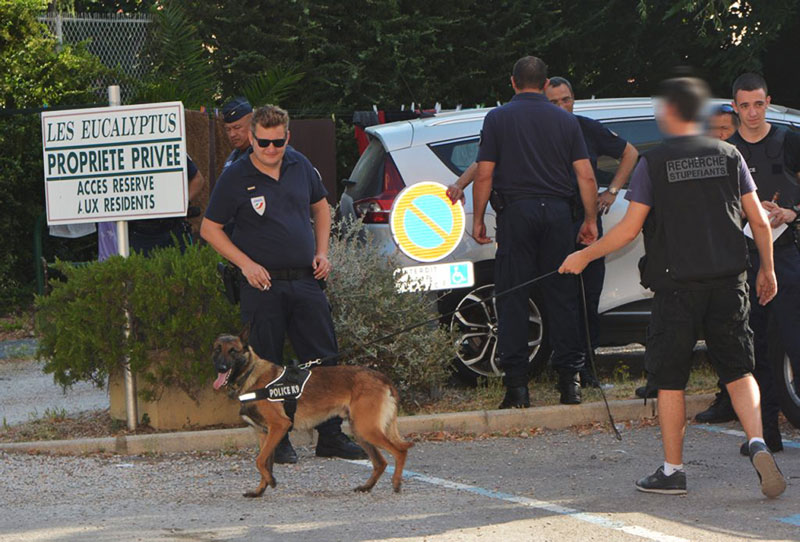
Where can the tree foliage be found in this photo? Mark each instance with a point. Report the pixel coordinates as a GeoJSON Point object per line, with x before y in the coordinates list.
{"type": "Point", "coordinates": [33, 73]}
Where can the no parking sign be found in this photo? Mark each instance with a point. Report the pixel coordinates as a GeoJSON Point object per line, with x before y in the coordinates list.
{"type": "Point", "coordinates": [425, 224]}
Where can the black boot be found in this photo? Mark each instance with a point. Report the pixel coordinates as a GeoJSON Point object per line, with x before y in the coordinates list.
{"type": "Point", "coordinates": [641, 391]}
{"type": "Point", "coordinates": [516, 397]}
{"type": "Point", "coordinates": [588, 380]}
{"type": "Point", "coordinates": [337, 444]}
{"type": "Point", "coordinates": [570, 387]}
{"type": "Point", "coordinates": [284, 453]}
{"type": "Point", "coordinates": [720, 411]}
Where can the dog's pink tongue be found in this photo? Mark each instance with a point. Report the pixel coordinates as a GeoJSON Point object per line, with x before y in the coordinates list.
{"type": "Point", "coordinates": [220, 381]}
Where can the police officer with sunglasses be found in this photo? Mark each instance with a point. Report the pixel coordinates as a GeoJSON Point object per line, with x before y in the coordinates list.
{"type": "Point", "coordinates": [271, 197]}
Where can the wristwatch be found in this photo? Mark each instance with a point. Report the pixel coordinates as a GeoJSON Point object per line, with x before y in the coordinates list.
{"type": "Point", "coordinates": [612, 190]}
{"type": "Point", "coordinates": [796, 209]}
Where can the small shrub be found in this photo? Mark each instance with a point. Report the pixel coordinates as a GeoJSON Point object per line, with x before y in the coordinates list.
{"type": "Point", "coordinates": [176, 309]}
{"type": "Point", "coordinates": [366, 306]}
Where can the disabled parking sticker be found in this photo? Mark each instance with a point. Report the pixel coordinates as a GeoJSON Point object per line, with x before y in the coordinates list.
{"type": "Point", "coordinates": [425, 224]}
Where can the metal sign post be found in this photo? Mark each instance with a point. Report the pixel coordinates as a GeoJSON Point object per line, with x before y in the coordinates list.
{"type": "Point", "coordinates": [123, 249]}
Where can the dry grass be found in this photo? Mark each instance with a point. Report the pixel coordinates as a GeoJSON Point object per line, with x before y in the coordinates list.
{"type": "Point", "coordinates": [489, 394]}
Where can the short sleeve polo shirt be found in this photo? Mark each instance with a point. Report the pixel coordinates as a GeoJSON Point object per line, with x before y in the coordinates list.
{"type": "Point", "coordinates": [600, 141]}
{"type": "Point", "coordinates": [272, 217]}
{"type": "Point", "coordinates": [533, 144]}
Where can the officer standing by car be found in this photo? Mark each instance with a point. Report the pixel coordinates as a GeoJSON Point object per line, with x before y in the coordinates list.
{"type": "Point", "coordinates": [600, 141]}
{"type": "Point", "coordinates": [528, 151]}
{"type": "Point", "coordinates": [690, 193]}
{"type": "Point", "coordinates": [773, 155]}
{"type": "Point", "coordinates": [237, 114]}
{"type": "Point", "coordinates": [271, 196]}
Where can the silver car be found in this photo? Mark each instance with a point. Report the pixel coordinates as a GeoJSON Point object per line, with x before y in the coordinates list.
{"type": "Point", "coordinates": [439, 149]}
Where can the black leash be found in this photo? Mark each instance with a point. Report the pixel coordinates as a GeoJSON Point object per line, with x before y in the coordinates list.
{"type": "Point", "coordinates": [347, 351]}
{"type": "Point", "coordinates": [590, 350]}
{"type": "Point", "coordinates": [352, 349]}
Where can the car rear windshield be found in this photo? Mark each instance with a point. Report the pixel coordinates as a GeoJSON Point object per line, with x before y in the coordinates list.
{"type": "Point", "coordinates": [366, 180]}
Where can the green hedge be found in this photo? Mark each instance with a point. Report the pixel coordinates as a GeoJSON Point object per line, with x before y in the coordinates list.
{"type": "Point", "coordinates": [176, 307]}
{"type": "Point", "coordinates": [177, 310]}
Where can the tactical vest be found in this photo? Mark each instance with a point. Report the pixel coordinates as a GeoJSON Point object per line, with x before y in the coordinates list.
{"type": "Point", "coordinates": [768, 167]}
{"type": "Point", "coordinates": [693, 234]}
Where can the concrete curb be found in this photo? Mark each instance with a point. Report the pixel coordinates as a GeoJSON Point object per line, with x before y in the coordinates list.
{"type": "Point", "coordinates": [479, 421]}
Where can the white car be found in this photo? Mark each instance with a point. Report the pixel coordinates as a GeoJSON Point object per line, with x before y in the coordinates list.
{"type": "Point", "coordinates": [439, 149]}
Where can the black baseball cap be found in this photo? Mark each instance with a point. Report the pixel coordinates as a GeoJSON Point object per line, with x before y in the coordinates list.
{"type": "Point", "coordinates": [236, 109]}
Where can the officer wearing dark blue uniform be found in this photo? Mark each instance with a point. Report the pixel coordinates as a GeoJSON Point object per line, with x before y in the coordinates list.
{"type": "Point", "coordinates": [690, 195]}
{"type": "Point", "coordinates": [237, 114]}
{"type": "Point", "coordinates": [528, 150]}
{"type": "Point", "coordinates": [600, 141]}
{"type": "Point", "coordinates": [147, 235]}
{"type": "Point", "coordinates": [773, 155]}
{"type": "Point", "coordinates": [271, 196]}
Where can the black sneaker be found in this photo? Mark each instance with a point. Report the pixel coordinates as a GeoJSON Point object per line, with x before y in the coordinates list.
{"type": "Point", "coordinates": [284, 453]}
{"type": "Point", "coordinates": [720, 410]}
{"type": "Point", "coordinates": [769, 475]}
{"type": "Point", "coordinates": [339, 445]}
{"type": "Point", "coordinates": [658, 482]}
{"type": "Point", "coordinates": [516, 397]}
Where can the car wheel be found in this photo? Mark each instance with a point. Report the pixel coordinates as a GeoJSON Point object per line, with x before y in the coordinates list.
{"type": "Point", "coordinates": [787, 386]}
{"type": "Point", "coordinates": [474, 326]}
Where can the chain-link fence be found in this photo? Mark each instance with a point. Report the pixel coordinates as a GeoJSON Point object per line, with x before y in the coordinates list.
{"type": "Point", "coordinates": [116, 38]}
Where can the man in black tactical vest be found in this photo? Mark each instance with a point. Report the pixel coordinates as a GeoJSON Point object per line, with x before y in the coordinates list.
{"type": "Point", "coordinates": [690, 194]}
{"type": "Point", "coordinates": [773, 156]}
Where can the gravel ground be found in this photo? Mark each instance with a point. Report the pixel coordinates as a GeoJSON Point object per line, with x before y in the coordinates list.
{"type": "Point", "coordinates": [26, 393]}
{"type": "Point", "coordinates": [559, 485]}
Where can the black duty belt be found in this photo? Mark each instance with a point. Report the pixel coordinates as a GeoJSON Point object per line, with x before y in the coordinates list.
{"type": "Point", "coordinates": [292, 273]}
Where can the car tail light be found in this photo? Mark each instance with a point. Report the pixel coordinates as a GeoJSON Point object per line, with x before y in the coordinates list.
{"type": "Point", "coordinates": [375, 210]}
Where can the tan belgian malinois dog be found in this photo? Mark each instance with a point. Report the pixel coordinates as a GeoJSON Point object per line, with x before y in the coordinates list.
{"type": "Point", "coordinates": [364, 396]}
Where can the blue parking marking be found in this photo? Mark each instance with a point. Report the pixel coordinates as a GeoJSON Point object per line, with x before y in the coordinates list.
{"type": "Point", "coordinates": [736, 433]}
{"type": "Point", "coordinates": [791, 520]}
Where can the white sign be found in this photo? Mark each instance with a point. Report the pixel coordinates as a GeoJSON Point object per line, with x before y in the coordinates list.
{"type": "Point", "coordinates": [440, 276]}
{"type": "Point", "coordinates": [115, 163]}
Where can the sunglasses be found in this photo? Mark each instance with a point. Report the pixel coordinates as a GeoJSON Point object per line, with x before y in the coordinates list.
{"type": "Point", "coordinates": [724, 108]}
{"type": "Point", "coordinates": [264, 143]}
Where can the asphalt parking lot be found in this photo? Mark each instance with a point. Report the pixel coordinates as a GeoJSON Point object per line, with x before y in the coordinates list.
{"type": "Point", "coordinates": [558, 485]}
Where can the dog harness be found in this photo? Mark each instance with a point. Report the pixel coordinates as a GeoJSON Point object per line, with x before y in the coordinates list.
{"type": "Point", "coordinates": [286, 389]}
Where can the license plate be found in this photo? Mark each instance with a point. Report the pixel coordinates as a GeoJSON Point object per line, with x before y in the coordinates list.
{"type": "Point", "coordinates": [440, 276]}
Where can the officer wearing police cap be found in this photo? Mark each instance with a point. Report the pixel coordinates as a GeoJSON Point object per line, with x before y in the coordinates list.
{"type": "Point", "coordinates": [690, 193]}
{"type": "Point", "coordinates": [528, 151]}
{"type": "Point", "coordinates": [237, 114]}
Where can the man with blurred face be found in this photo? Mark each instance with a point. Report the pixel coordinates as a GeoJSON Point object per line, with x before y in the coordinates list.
{"type": "Point", "coordinates": [723, 122]}
{"type": "Point", "coordinates": [688, 196]}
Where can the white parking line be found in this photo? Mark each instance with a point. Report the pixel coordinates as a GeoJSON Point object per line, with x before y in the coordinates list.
{"type": "Point", "coordinates": [634, 530]}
